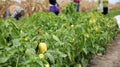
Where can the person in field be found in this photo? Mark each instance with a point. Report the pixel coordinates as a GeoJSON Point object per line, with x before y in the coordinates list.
{"type": "Point", "coordinates": [53, 7]}
{"type": "Point", "coordinates": [105, 7]}
{"type": "Point", "coordinates": [100, 5]}
{"type": "Point", "coordinates": [15, 11]}
{"type": "Point", "coordinates": [77, 2]}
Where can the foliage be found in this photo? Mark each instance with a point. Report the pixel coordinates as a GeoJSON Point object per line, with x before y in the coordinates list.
{"type": "Point", "coordinates": [71, 39]}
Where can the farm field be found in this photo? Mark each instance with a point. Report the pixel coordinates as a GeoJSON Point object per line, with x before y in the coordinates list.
{"type": "Point", "coordinates": [71, 39]}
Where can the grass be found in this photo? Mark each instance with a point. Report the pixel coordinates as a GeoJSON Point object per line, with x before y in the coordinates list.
{"type": "Point", "coordinates": [113, 13]}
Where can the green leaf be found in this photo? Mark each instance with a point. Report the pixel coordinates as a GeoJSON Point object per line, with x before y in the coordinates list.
{"type": "Point", "coordinates": [84, 62]}
{"type": "Point", "coordinates": [22, 34]}
{"type": "Point", "coordinates": [15, 42]}
{"type": "Point", "coordinates": [3, 59]}
{"type": "Point", "coordinates": [56, 38]}
{"type": "Point", "coordinates": [6, 24]}
{"type": "Point", "coordinates": [63, 55]}
{"type": "Point", "coordinates": [40, 63]}
{"type": "Point", "coordinates": [2, 41]}
{"type": "Point", "coordinates": [69, 56]}
{"type": "Point", "coordinates": [85, 50]}
{"type": "Point", "coordinates": [50, 57]}
{"type": "Point", "coordinates": [30, 52]}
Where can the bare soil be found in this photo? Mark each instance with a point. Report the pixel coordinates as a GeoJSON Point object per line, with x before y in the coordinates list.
{"type": "Point", "coordinates": [111, 58]}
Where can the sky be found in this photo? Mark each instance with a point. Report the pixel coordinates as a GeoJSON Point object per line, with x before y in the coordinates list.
{"type": "Point", "coordinates": [113, 1]}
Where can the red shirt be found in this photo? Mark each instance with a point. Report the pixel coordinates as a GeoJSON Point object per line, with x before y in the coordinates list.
{"type": "Point", "coordinates": [76, 1]}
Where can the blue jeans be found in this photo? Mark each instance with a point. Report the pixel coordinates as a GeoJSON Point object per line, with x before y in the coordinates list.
{"type": "Point", "coordinates": [8, 13]}
{"type": "Point", "coordinates": [77, 7]}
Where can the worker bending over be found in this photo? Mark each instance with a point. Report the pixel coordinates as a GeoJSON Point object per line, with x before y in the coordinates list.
{"type": "Point", "coordinates": [15, 11]}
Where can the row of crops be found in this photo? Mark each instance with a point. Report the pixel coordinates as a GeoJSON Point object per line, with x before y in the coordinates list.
{"type": "Point", "coordinates": [69, 40]}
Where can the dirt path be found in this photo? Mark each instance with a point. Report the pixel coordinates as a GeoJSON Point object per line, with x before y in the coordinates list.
{"type": "Point", "coordinates": [111, 57]}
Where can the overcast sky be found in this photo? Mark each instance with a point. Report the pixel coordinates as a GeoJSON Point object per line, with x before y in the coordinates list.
{"type": "Point", "coordinates": [113, 1]}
